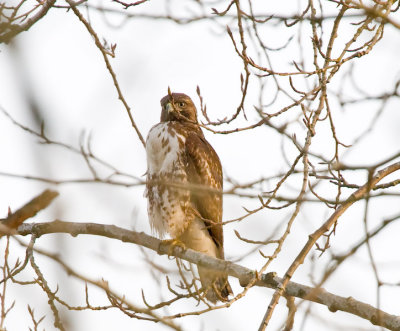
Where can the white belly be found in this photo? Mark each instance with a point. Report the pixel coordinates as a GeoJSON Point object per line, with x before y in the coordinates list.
{"type": "Point", "coordinates": [167, 205]}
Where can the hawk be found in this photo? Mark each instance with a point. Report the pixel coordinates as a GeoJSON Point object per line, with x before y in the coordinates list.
{"type": "Point", "coordinates": [184, 183]}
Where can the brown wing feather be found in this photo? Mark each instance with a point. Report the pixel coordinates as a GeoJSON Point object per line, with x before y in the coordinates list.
{"type": "Point", "coordinates": [204, 168]}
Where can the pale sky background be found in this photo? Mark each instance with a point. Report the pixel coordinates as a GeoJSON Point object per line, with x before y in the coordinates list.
{"type": "Point", "coordinates": [57, 62]}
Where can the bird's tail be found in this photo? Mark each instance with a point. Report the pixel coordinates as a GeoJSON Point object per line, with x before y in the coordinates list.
{"type": "Point", "coordinates": [216, 285]}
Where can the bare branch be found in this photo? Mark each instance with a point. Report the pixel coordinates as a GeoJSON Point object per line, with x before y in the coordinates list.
{"type": "Point", "coordinates": [244, 275]}
{"type": "Point", "coordinates": [14, 220]}
{"type": "Point", "coordinates": [323, 229]}
{"type": "Point", "coordinates": [15, 29]}
{"type": "Point", "coordinates": [105, 54]}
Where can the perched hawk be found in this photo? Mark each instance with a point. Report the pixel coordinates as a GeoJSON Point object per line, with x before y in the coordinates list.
{"type": "Point", "coordinates": [183, 175]}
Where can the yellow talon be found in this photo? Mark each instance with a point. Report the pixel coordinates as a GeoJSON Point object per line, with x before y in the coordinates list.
{"type": "Point", "coordinates": [172, 243]}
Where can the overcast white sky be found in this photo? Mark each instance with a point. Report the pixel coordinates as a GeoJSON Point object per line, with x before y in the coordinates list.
{"type": "Point", "coordinates": [57, 63]}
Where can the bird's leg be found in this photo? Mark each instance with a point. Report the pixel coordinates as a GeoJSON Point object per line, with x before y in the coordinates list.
{"type": "Point", "coordinates": [172, 243]}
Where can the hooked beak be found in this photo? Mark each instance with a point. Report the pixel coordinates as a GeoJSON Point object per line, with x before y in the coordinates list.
{"type": "Point", "coordinates": [169, 107]}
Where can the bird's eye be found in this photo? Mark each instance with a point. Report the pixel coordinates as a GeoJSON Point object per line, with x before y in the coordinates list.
{"type": "Point", "coordinates": [182, 104]}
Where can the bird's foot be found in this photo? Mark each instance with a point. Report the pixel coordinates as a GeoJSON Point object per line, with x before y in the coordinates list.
{"type": "Point", "coordinates": [172, 243]}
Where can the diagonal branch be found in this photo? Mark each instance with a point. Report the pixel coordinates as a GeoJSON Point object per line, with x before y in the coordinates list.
{"type": "Point", "coordinates": [312, 239]}
{"type": "Point", "coordinates": [14, 220]}
{"type": "Point", "coordinates": [245, 275]}
{"type": "Point", "coordinates": [15, 29]}
{"type": "Point", "coordinates": [105, 54]}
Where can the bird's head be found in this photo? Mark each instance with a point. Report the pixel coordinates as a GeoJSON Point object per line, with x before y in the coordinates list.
{"type": "Point", "coordinates": [178, 107]}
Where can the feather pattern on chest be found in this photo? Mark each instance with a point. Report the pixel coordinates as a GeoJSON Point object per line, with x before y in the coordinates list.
{"type": "Point", "coordinates": [168, 203]}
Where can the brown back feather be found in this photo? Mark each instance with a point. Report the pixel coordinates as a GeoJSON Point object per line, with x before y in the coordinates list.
{"type": "Point", "coordinates": [204, 168]}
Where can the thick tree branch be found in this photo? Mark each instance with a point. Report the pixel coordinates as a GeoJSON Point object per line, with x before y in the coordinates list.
{"type": "Point", "coordinates": [245, 275]}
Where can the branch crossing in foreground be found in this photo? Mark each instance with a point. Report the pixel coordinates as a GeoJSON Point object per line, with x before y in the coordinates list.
{"type": "Point", "coordinates": [244, 275]}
